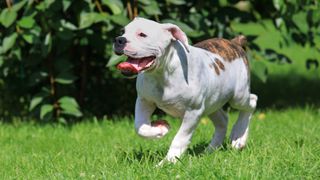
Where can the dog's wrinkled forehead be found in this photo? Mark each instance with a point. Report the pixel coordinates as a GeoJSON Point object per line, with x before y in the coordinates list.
{"type": "Point", "coordinates": [142, 25]}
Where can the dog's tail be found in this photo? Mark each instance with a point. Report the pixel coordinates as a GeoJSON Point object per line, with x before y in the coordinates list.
{"type": "Point", "coordinates": [240, 40]}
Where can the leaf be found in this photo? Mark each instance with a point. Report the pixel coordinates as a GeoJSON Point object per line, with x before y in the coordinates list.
{"type": "Point", "coordinates": [120, 19]}
{"type": "Point", "coordinates": [301, 17]}
{"type": "Point", "coordinates": [68, 25]}
{"type": "Point", "coordinates": [115, 60]}
{"type": "Point", "coordinates": [44, 5]}
{"type": "Point", "coordinates": [41, 6]}
{"type": "Point", "coordinates": [260, 70]}
{"type": "Point", "coordinates": [7, 17]}
{"type": "Point", "coordinates": [48, 3]}
{"type": "Point", "coordinates": [26, 22]}
{"type": "Point", "coordinates": [17, 53]}
{"type": "Point", "coordinates": [69, 101]}
{"type": "Point", "coordinates": [87, 19]}
{"type": "Point", "coordinates": [115, 6]}
{"type": "Point", "coordinates": [48, 41]}
{"type": "Point", "coordinates": [8, 42]}
{"type": "Point", "coordinates": [152, 9]}
{"type": "Point", "coordinates": [278, 22]}
{"type": "Point", "coordinates": [176, 2]}
{"type": "Point", "coordinates": [66, 4]}
{"type": "Point", "coordinates": [71, 111]}
{"type": "Point", "coordinates": [34, 102]}
{"type": "Point", "coordinates": [28, 37]}
{"type": "Point", "coordinates": [17, 6]}
{"type": "Point", "coordinates": [70, 106]}
{"type": "Point", "coordinates": [62, 120]}
{"type": "Point", "coordinates": [65, 78]}
{"type": "Point", "coordinates": [36, 30]}
{"type": "Point", "coordinates": [45, 109]}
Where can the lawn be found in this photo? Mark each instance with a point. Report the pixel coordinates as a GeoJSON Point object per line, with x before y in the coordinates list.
{"type": "Point", "coordinates": [282, 145]}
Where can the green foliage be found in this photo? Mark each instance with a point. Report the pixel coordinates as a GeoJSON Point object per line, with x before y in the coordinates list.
{"type": "Point", "coordinates": [8, 42]}
{"type": "Point", "coordinates": [69, 106]}
{"type": "Point", "coordinates": [53, 54]}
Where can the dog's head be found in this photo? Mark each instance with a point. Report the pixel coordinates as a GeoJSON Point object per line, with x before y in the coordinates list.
{"type": "Point", "coordinates": [144, 42]}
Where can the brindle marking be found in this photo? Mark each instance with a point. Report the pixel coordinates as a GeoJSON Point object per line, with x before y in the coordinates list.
{"type": "Point", "coordinates": [228, 50]}
{"type": "Point", "coordinates": [219, 63]}
{"type": "Point", "coordinates": [216, 68]}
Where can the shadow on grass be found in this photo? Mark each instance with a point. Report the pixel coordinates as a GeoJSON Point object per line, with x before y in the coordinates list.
{"type": "Point", "coordinates": [143, 156]}
{"type": "Point", "coordinates": [200, 148]}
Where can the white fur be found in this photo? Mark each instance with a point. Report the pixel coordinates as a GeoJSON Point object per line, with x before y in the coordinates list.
{"type": "Point", "coordinates": [183, 85]}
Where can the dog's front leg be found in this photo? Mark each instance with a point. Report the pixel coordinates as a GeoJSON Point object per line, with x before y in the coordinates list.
{"type": "Point", "coordinates": [143, 112]}
{"type": "Point", "coordinates": [183, 137]}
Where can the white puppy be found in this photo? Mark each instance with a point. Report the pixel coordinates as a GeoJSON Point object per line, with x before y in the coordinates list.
{"type": "Point", "coordinates": [186, 82]}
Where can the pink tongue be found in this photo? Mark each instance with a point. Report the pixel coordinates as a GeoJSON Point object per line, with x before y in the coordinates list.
{"type": "Point", "coordinates": [133, 66]}
{"type": "Point", "coordinates": [127, 67]}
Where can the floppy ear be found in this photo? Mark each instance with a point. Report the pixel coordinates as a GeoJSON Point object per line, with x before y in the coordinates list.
{"type": "Point", "coordinates": [177, 34]}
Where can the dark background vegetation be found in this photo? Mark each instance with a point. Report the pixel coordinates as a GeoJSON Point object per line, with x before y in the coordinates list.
{"type": "Point", "coordinates": [57, 64]}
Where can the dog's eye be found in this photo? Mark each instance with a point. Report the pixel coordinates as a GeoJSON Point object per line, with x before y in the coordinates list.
{"type": "Point", "coordinates": [142, 35]}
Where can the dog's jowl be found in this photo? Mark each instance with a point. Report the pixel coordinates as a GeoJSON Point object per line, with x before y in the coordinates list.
{"type": "Point", "coordinates": [187, 82]}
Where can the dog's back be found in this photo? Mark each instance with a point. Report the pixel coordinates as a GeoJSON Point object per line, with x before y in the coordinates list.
{"type": "Point", "coordinates": [228, 50]}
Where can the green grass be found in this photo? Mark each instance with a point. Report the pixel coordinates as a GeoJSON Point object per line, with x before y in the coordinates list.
{"type": "Point", "coordinates": [282, 145]}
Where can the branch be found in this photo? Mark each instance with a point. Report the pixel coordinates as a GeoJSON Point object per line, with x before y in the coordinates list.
{"type": "Point", "coordinates": [129, 9]}
{"type": "Point", "coordinates": [9, 3]}
{"type": "Point", "coordinates": [97, 3]}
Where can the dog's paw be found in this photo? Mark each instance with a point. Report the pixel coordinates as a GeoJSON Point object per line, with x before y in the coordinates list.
{"type": "Point", "coordinates": [167, 161]}
{"type": "Point", "coordinates": [163, 125]}
{"type": "Point", "coordinates": [238, 141]}
{"type": "Point", "coordinates": [238, 144]}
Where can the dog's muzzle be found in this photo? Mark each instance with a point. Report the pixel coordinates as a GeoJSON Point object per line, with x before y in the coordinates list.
{"type": "Point", "coordinates": [133, 65]}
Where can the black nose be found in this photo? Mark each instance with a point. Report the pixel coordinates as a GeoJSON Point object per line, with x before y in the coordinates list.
{"type": "Point", "coordinates": [120, 41]}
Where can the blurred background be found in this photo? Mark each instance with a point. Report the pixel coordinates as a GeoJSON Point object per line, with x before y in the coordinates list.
{"type": "Point", "coordinates": [57, 63]}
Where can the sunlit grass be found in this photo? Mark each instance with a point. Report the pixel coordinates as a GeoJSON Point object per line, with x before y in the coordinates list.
{"type": "Point", "coordinates": [283, 145]}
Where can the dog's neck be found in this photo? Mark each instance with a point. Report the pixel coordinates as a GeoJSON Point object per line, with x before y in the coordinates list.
{"type": "Point", "coordinates": [174, 62]}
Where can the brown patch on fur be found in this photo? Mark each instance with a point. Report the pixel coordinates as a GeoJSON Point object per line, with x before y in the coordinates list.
{"type": "Point", "coordinates": [216, 68]}
{"type": "Point", "coordinates": [220, 64]}
{"type": "Point", "coordinates": [228, 50]}
{"type": "Point", "coordinates": [240, 40]}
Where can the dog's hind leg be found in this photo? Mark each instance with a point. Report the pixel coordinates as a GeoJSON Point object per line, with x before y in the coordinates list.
{"type": "Point", "coordinates": [240, 129]}
{"type": "Point", "coordinates": [220, 122]}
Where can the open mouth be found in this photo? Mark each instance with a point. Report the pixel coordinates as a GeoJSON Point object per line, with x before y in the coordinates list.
{"type": "Point", "coordinates": [135, 65]}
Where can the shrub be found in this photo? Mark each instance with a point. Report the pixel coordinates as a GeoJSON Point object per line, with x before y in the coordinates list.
{"type": "Point", "coordinates": [53, 54]}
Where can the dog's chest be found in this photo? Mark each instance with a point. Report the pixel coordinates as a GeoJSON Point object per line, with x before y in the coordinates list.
{"type": "Point", "coordinates": [172, 99]}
